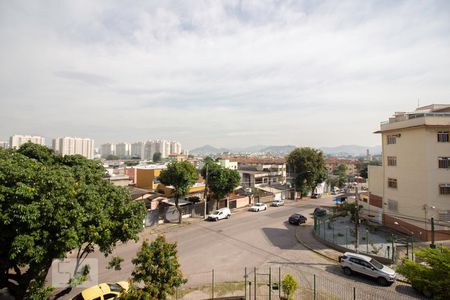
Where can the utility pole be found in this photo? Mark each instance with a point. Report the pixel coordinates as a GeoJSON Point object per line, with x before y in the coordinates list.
{"type": "Point", "coordinates": [206, 190]}
{"type": "Point", "coordinates": [356, 219]}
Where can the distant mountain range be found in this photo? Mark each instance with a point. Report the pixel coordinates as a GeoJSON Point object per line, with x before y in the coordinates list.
{"type": "Point", "coordinates": [345, 150]}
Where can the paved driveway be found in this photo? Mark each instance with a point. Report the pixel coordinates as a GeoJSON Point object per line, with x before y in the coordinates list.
{"type": "Point", "coordinates": [248, 240]}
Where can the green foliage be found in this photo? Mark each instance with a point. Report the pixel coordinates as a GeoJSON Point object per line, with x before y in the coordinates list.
{"type": "Point", "coordinates": [50, 205]}
{"type": "Point", "coordinates": [112, 157]}
{"type": "Point", "coordinates": [432, 276]}
{"type": "Point", "coordinates": [157, 157]}
{"type": "Point", "coordinates": [115, 263]}
{"type": "Point", "coordinates": [351, 209]}
{"type": "Point", "coordinates": [157, 269]}
{"type": "Point", "coordinates": [341, 172]}
{"type": "Point", "coordinates": [221, 181]}
{"type": "Point", "coordinates": [81, 277]}
{"type": "Point", "coordinates": [362, 167]}
{"type": "Point", "coordinates": [308, 166]}
{"type": "Point", "coordinates": [181, 175]}
{"type": "Point", "coordinates": [289, 285]}
{"type": "Point", "coordinates": [39, 292]}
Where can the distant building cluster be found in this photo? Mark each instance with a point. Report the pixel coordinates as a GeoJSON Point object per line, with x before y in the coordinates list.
{"type": "Point", "coordinates": [74, 145]}
{"type": "Point", "coordinates": [141, 150]}
{"type": "Point", "coordinates": [61, 145]}
{"type": "Point", "coordinates": [18, 140]}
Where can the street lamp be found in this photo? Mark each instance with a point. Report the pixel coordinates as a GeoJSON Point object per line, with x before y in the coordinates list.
{"type": "Point", "coordinates": [411, 237]}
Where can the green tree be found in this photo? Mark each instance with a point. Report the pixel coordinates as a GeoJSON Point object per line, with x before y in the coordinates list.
{"type": "Point", "coordinates": [221, 181]}
{"type": "Point", "coordinates": [50, 205]}
{"type": "Point", "coordinates": [112, 157]}
{"type": "Point", "coordinates": [432, 275]}
{"type": "Point", "coordinates": [158, 269]}
{"type": "Point", "coordinates": [350, 208]}
{"type": "Point", "coordinates": [181, 175]}
{"type": "Point", "coordinates": [157, 157]}
{"type": "Point", "coordinates": [289, 285]}
{"type": "Point", "coordinates": [362, 167]}
{"type": "Point", "coordinates": [308, 168]}
{"type": "Point", "coordinates": [341, 172]}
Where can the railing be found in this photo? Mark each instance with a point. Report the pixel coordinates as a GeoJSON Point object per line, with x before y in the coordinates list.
{"type": "Point", "coordinates": [415, 116]}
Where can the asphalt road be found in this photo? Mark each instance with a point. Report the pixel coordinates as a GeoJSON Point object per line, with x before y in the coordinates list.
{"type": "Point", "coordinates": [251, 240]}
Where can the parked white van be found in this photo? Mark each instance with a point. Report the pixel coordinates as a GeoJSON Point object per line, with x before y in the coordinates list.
{"type": "Point", "coordinates": [220, 214]}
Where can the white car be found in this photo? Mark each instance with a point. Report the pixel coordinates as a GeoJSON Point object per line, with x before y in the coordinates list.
{"type": "Point", "coordinates": [362, 264]}
{"type": "Point", "coordinates": [258, 207]}
{"type": "Point", "coordinates": [223, 213]}
{"type": "Point", "coordinates": [277, 202]}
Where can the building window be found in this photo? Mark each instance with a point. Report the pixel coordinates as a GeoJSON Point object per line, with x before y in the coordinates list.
{"type": "Point", "coordinates": [392, 205]}
{"type": "Point", "coordinates": [442, 137]}
{"type": "Point", "coordinates": [444, 215]}
{"type": "Point", "coordinates": [392, 139]}
{"type": "Point", "coordinates": [392, 183]}
{"type": "Point", "coordinates": [392, 160]}
{"type": "Point", "coordinates": [444, 162]}
{"type": "Point", "coordinates": [444, 189]}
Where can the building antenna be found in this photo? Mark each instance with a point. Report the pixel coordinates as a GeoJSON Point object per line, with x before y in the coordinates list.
{"type": "Point", "coordinates": [418, 102]}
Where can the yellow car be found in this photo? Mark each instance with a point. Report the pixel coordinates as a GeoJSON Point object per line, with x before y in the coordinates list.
{"type": "Point", "coordinates": [103, 291]}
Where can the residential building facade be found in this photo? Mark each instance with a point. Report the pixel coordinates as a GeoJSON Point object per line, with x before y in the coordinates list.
{"type": "Point", "coordinates": [123, 150]}
{"type": "Point", "coordinates": [137, 150]}
{"type": "Point", "coordinates": [74, 145]}
{"type": "Point", "coordinates": [412, 187]}
{"type": "Point", "coordinates": [107, 149]}
{"type": "Point", "coordinates": [16, 141]}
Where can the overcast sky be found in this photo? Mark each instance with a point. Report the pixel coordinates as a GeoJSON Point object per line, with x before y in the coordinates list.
{"type": "Point", "coordinates": [230, 73]}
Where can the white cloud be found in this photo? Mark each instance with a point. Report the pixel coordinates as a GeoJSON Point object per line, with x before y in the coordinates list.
{"type": "Point", "coordinates": [225, 73]}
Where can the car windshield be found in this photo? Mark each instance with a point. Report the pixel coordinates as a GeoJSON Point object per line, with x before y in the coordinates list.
{"type": "Point", "coordinates": [216, 212]}
{"type": "Point", "coordinates": [376, 264]}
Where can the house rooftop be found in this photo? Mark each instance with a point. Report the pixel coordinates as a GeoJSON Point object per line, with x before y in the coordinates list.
{"type": "Point", "coordinates": [256, 160]}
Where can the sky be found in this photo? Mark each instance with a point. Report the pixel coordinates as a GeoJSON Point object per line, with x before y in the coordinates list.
{"type": "Point", "coordinates": [223, 73]}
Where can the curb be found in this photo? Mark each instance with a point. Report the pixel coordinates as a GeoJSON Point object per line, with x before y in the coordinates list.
{"type": "Point", "coordinates": [311, 249]}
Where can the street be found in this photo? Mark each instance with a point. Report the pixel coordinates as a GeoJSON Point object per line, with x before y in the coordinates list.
{"type": "Point", "coordinates": [251, 240]}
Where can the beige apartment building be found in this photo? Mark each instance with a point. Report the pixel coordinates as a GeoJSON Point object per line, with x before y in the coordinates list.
{"type": "Point", "coordinates": [17, 140]}
{"type": "Point", "coordinates": [413, 184]}
{"type": "Point", "coordinates": [74, 145]}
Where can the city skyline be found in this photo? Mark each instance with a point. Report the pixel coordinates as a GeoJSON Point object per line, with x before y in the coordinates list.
{"type": "Point", "coordinates": [223, 73]}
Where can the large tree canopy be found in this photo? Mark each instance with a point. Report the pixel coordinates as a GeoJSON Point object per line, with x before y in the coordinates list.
{"type": "Point", "coordinates": [50, 205]}
{"type": "Point", "coordinates": [221, 181]}
{"type": "Point", "coordinates": [308, 168]}
{"type": "Point", "coordinates": [181, 176]}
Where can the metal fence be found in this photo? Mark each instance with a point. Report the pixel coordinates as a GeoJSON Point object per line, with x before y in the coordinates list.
{"type": "Point", "coordinates": [377, 242]}
{"type": "Point", "coordinates": [266, 283]}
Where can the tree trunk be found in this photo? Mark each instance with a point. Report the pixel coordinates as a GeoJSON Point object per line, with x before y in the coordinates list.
{"type": "Point", "coordinates": [177, 205]}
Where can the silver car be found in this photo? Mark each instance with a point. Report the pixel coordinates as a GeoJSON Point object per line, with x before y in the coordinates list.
{"type": "Point", "coordinates": [362, 264]}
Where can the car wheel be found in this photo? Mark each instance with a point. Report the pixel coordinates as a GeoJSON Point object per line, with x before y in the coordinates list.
{"type": "Point", "coordinates": [228, 216]}
{"type": "Point", "coordinates": [347, 271]}
{"type": "Point", "coordinates": [382, 281]}
{"type": "Point", "coordinates": [217, 219]}
{"type": "Point", "coordinates": [265, 208]}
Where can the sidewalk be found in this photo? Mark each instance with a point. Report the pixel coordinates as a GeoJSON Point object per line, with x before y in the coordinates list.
{"type": "Point", "coordinates": [305, 237]}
